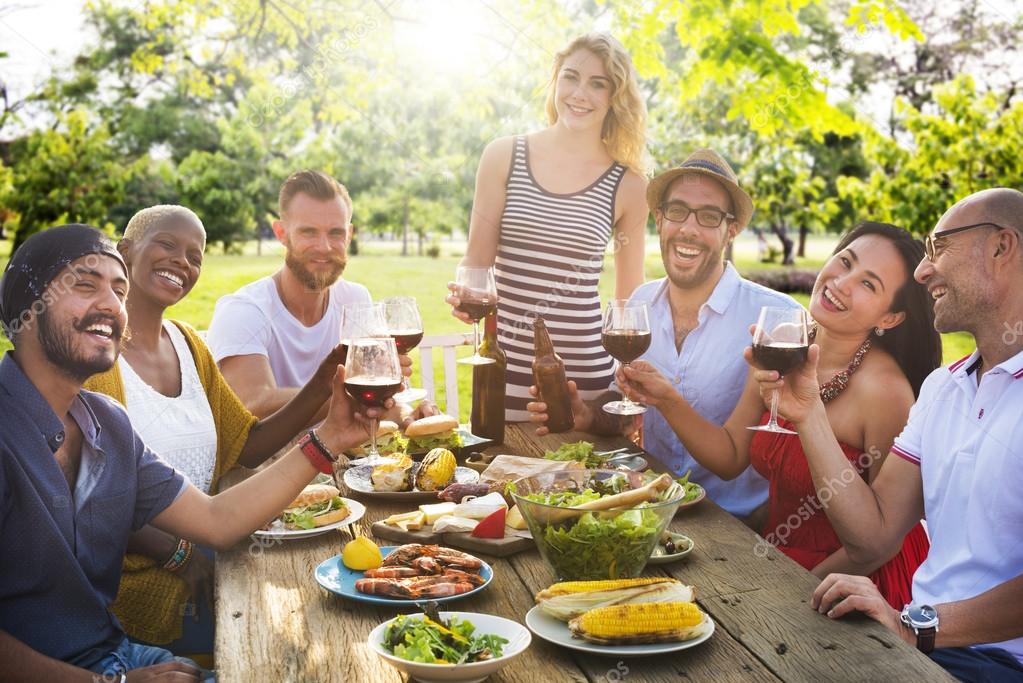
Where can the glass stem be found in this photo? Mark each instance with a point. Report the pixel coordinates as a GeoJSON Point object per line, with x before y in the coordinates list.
{"type": "Point", "coordinates": [774, 409]}
{"type": "Point", "coordinates": [476, 338]}
{"type": "Point", "coordinates": [373, 437]}
{"type": "Point", "coordinates": [626, 401]}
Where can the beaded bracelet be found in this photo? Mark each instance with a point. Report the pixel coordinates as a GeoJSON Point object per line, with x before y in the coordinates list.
{"type": "Point", "coordinates": [180, 558]}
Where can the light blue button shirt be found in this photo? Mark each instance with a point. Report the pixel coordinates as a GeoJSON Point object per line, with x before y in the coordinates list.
{"type": "Point", "coordinates": [710, 373]}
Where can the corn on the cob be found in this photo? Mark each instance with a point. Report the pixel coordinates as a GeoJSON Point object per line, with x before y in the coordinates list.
{"type": "Point", "coordinates": [570, 605]}
{"type": "Point", "coordinates": [566, 587]}
{"type": "Point", "coordinates": [654, 622]}
{"type": "Point", "coordinates": [436, 471]}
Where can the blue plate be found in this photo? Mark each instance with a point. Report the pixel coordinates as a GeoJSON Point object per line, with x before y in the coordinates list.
{"type": "Point", "coordinates": [339, 579]}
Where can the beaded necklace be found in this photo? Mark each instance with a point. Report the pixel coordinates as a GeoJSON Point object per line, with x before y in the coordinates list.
{"type": "Point", "coordinates": [837, 384]}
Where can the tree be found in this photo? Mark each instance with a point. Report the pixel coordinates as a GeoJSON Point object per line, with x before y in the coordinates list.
{"type": "Point", "coordinates": [67, 174]}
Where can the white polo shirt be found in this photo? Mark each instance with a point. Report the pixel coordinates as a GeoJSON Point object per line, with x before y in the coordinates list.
{"type": "Point", "coordinates": [709, 372]}
{"type": "Point", "coordinates": [254, 320]}
{"type": "Point", "coordinates": [968, 441]}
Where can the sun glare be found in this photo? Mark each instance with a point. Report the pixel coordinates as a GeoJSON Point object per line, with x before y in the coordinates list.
{"type": "Point", "coordinates": [445, 36]}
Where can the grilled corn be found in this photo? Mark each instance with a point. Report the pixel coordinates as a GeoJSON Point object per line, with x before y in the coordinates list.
{"type": "Point", "coordinates": [436, 471]}
{"type": "Point", "coordinates": [570, 605]}
{"type": "Point", "coordinates": [566, 587]}
{"type": "Point", "coordinates": [654, 622]}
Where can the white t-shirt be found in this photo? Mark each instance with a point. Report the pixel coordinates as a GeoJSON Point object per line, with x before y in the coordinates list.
{"type": "Point", "coordinates": [968, 441]}
{"type": "Point", "coordinates": [180, 429]}
{"type": "Point", "coordinates": [254, 320]}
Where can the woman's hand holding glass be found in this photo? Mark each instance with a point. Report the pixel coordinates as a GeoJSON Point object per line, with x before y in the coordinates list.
{"type": "Point", "coordinates": [799, 393]}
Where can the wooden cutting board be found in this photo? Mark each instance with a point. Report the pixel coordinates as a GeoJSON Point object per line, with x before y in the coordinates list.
{"type": "Point", "coordinates": [497, 547]}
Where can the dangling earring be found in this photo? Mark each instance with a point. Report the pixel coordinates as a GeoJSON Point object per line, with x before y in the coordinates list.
{"type": "Point", "coordinates": [878, 331]}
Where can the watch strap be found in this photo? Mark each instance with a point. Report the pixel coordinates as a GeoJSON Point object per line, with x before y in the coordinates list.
{"type": "Point", "coordinates": [316, 454]}
{"type": "Point", "coordinates": [925, 639]}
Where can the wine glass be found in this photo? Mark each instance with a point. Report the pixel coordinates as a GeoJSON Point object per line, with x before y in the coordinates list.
{"type": "Point", "coordinates": [405, 325]}
{"type": "Point", "coordinates": [477, 294]}
{"type": "Point", "coordinates": [780, 343]}
{"type": "Point", "coordinates": [372, 375]}
{"type": "Point", "coordinates": [362, 320]}
{"type": "Point", "coordinates": [626, 336]}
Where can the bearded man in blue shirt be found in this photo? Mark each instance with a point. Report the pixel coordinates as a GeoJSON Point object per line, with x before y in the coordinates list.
{"type": "Point", "coordinates": [76, 480]}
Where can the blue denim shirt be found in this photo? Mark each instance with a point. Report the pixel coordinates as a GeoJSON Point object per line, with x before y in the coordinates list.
{"type": "Point", "coordinates": [709, 372]}
{"type": "Point", "coordinates": [61, 551]}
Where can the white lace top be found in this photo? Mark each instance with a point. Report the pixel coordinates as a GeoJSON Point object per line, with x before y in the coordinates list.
{"type": "Point", "coordinates": [180, 429]}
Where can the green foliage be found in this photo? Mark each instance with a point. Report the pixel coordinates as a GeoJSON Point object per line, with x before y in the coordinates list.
{"type": "Point", "coordinates": [66, 174]}
{"type": "Point", "coordinates": [969, 143]}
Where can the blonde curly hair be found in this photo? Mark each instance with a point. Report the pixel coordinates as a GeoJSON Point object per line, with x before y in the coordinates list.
{"type": "Point", "coordinates": [624, 130]}
{"type": "Point", "coordinates": [145, 219]}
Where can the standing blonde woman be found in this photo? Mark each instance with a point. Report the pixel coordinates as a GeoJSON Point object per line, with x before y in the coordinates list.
{"type": "Point", "coordinates": [546, 206]}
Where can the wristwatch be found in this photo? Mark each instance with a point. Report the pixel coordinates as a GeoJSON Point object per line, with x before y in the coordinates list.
{"type": "Point", "coordinates": [923, 619]}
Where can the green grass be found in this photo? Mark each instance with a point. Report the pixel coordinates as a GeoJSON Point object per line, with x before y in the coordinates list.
{"type": "Point", "coordinates": [385, 273]}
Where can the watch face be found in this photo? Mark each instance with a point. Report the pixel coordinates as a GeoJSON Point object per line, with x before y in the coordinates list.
{"type": "Point", "coordinates": [922, 616]}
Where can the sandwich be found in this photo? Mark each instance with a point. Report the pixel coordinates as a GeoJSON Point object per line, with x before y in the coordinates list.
{"type": "Point", "coordinates": [436, 431]}
{"type": "Point", "coordinates": [389, 441]}
{"type": "Point", "coordinates": [317, 505]}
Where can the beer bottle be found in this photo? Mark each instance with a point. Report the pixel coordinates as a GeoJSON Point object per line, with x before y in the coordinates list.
{"type": "Point", "coordinates": [488, 385]}
{"type": "Point", "coordinates": [551, 383]}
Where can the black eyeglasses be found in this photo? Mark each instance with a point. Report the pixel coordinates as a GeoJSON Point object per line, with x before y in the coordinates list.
{"type": "Point", "coordinates": [930, 240]}
{"type": "Point", "coordinates": [678, 212]}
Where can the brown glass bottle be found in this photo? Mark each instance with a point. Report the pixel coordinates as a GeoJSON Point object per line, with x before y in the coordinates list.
{"type": "Point", "coordinates": [488, 385]}
{"type": "Point", "coordinates": [551, 383]}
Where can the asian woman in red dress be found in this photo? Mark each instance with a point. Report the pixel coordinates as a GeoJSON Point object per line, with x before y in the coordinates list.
{"type": "Point", "coordinates": [874, 325]}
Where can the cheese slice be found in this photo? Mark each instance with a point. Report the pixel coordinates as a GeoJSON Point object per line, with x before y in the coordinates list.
{"type": "Point", "coordinates": [413, 523]}
{"type": "Point", "coordinates": [454, 524]}
{"type": "Point", "coordinates": [514, 519]}
{"type": "Point", "coordinates": [435, 511]}
{"type": "Point", "coordinates": [395, 520]}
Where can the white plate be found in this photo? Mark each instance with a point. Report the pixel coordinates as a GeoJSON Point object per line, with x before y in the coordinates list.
{"type": "Point", "coordinates": [358, 480]}
{"type": "Point", "coordinates": [554, 631]}
{"type": "Point", "coordinates": [277, 530]}
{"type": "Point", "coordinates": [518, 640]}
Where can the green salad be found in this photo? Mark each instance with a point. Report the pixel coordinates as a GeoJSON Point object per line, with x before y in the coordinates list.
{"type": "Point", "coordinates": [690, 490]}
{"type": "Point", "coordinates": [580, 451]}
{"type": "Point", "coordinates": [432, 642]}
{"type": "Point", "coordinates": [600, 544]}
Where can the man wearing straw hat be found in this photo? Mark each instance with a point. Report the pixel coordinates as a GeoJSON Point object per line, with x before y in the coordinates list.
{"type": "Point", "coordinates": [700, 315]}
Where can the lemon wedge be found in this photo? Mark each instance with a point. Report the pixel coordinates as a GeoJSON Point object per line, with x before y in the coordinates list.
{"type": "Point", "coordinates": [361, 554]}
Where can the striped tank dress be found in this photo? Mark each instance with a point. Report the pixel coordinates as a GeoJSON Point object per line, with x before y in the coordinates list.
{"type": "Point", "coordinates": [549, 257]}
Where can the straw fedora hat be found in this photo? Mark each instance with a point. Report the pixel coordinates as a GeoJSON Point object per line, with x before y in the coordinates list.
{"type": "Point", "coordinates": [709, 163]}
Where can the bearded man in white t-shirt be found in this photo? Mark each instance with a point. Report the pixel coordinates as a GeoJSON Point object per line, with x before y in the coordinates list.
{"type": "Point", "coordinates": [959, 459]}
{"type": "Point", "coordinates": [271, 335]}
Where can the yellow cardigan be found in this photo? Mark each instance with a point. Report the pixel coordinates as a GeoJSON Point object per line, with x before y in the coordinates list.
{"type": "Point", "coordinates": [150, 599]}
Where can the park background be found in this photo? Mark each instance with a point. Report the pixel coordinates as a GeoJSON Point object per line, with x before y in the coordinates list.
{"type": "Point", "coordinates": [831, 111]}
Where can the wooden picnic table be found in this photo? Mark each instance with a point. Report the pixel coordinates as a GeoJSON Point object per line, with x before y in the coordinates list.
{"type": "Point", "coordinates": [276, 624]}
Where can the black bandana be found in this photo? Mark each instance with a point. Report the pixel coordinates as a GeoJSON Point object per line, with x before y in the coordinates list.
{"type": "Point", "coordinates": [38, 261]}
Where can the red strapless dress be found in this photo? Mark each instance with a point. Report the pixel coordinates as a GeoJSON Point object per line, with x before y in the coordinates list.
{"type": "Point", "coordinates": [798, 526]}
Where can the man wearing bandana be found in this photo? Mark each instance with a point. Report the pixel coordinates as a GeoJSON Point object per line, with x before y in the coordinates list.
{"type": "Point", "coordinates": [76, 480]}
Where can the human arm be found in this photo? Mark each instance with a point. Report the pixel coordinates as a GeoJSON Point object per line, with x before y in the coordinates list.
{"type": "Point", "coordinates": [34, 666]}
{"type": "Point", "coordinates": [872, 519]}
{"type": "Point", "coordinates": [487, 207]}
{"type": "Point", "coordinates": [273, 432]}
{"type": "Point", "coordinates": [629, 240]}
{"type": "Point", "coordinates": [993, 616]}
{"type": "Point", "coordinates": [221, 521]}
{"type": "Point", "coordinates": [722, 449]}
{"type": "Point", "coordinates": [252, 379]}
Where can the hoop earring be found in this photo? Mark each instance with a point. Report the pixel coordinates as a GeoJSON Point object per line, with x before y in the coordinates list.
{"type": "Point", "coordinates": [878, 331]}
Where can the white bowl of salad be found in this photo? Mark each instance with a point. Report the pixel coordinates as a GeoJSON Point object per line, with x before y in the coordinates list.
{"type": "Point", "coordinates": [461, 646]}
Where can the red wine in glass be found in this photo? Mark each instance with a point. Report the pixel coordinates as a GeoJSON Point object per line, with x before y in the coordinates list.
{"type": "Point", "coordinates": [406, 340]}
{"type": "Point", "coordinates": [782, 357]}
{"type": "Point", "coordinates": [625, 346]}
{"type": "Point", "coordinates": [477, 309]}
{"type": "Point", "coordinates": [371, 392]}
